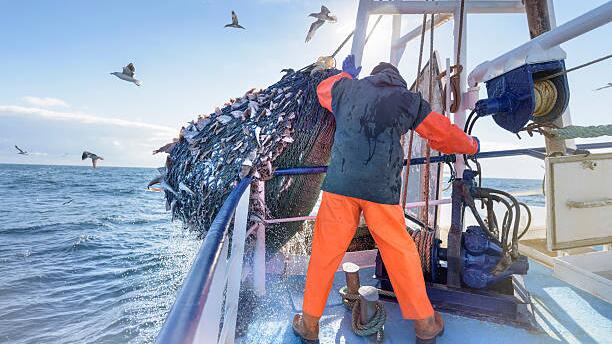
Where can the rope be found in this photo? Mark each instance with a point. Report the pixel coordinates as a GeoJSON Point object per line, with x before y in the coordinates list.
{"type": "Point", "coordinates": [427, 174]}
{"type": "Point", "coordinates": [575, 131]}
{"type": "Point", "coordinates": [416, 88]}
{"type": "Point", "coordinates": [577, 67]}
{"type": "Point", "coordinates": [376, 323]}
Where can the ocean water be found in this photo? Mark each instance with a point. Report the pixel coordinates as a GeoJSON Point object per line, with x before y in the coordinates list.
{"type": "Point", "coordinates": [106, 266]}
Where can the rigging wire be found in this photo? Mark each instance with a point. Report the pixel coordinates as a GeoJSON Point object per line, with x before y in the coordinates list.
{"type": "Point", "coordinates": [404, 193]}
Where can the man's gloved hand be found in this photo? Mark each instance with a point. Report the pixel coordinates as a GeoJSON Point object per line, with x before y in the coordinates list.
{"type": "Point", "coordinates": [348, 66]}
{"type": "Point", "coordinates": [478, 142]}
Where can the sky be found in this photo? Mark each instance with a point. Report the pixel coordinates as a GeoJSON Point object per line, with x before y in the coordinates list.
{"type": "Point", "coordinates": [57, 97]}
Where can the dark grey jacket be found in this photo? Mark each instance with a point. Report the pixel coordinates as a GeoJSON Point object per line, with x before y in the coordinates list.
{"type": "Point", "coordinates": [371, 116]}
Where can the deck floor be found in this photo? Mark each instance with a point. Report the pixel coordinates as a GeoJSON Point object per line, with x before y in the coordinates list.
{"type": "Point", "coordinates": [564, 313]}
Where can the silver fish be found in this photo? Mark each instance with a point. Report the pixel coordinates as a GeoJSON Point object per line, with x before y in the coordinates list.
{"type": "Point", "coordinates": [166, 187]}
{"type": "Point", "coordinates": [257, 133]}
{"type": "Point", "coordinates": [253, 106]}
{"type": "Point", "coordinates": [185, 188]}
{"type": "Point", "coordinates": [224, 119]}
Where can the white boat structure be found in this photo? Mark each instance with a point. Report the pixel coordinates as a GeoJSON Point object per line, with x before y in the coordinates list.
{"type": "Point", "coordinates": [489, 290]}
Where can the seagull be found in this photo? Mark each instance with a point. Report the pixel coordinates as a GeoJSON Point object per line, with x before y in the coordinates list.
{"type": "Point", "coordinates": [94, 158]}
{"type": "Point", "coordinates": [234, 23]}
{"type": "Point", "coordinates": [322, 17]}
{"type": "Point", "coordinates": [128, 74]}
{"type": "Point", "coordinates": [21, 151]}
{"type": "Point", "coordinates": [608, 85]}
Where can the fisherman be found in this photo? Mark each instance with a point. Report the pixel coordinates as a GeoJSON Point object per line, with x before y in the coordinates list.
{"type": "Point", "coordinates": [371, 116]}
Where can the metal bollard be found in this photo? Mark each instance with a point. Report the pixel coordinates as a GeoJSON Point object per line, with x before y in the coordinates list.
{"type": "Point", "coordinates": [369, 298]}
{"type": "Point", "coordinates": [351, 272]}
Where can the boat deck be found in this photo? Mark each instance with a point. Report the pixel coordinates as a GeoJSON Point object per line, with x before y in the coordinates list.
{"type": "Point", "coordinates": [565, 315]}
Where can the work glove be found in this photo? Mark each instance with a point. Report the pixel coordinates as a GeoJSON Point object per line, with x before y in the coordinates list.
{"type": "Point", "coordinates": [348, 66]}
{"type": "Point", "coordinates": [478, 143]}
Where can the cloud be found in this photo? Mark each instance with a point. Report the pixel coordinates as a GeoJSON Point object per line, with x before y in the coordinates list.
{"type": "Point", "coordinates": [12, 110]}
{"type": "Point", "coordinates": [45, 101]}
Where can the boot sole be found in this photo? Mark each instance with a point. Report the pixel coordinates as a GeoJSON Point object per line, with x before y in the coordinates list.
{"type": "Point", "coordinates": [430, 340]}
{"type": "Point", "coordinates": [304, 340]}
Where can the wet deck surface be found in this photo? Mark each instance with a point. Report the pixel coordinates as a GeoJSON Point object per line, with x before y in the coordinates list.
{"type": "Point", "coordinates": [564, 313]}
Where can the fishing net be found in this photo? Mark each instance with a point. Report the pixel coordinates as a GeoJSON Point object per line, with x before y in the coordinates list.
{"type": "Point", "coordinates": [277, 127]}
{"type": "Point", "coordinates": [416, 181]}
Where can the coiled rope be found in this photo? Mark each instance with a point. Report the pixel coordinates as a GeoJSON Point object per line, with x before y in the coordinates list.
{"type": "Point", "coordinates": [376, 323]}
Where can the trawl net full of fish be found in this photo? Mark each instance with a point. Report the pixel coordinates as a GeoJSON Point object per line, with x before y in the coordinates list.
{"type": "Point", "coordinates": [280, 126]}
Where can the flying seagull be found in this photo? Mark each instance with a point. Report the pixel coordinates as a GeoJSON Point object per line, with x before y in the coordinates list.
{"type": "Point", "coordinates": [322, 17]}
{"type": "Point", "coordinates": [94, 158]}
{"type": "Point", "coordinates": [128, 74]}
{"type": "Point", "coordinates": [234, 23]}
{"type": "Point", "coordinates": [21, 151]}
{"type": "Point", "coordinates": [608, 85]}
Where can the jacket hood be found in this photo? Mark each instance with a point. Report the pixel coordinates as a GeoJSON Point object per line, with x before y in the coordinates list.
{"type": "Point", "coordinates": [386, 78]}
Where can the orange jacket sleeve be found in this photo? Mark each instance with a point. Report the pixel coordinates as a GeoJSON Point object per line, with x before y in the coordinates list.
{"type": "Point", "coordinates": [446, 137]}
{"type": "Point", "coordinates": [324, 89]}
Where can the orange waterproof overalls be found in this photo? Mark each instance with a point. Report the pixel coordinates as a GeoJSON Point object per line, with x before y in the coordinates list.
{"type": "Point", "coordinates": [338, 218]}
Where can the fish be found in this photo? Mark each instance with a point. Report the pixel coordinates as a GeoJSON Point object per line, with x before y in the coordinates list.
{"type": "Point", "coordinates": [166, 187]}
{"type": "Point", "coordinates": [224, 119]}
{"type": "Point", "coordinates": [257, 134]}
{"type": "Point", "coordinates": [165, 148]}
{"type": "Point", "coordinates": [154, 181]}
{"type": "Point", "coordinates": [185, 188]}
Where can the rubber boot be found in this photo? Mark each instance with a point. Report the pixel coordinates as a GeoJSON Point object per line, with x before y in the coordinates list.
{"type": "Point", "coordinates": [306, 327]}
{"type": "Point", "coordinates": [427, 330]}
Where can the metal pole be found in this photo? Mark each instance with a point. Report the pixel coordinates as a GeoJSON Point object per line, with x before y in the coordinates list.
{"type": "Point", "coordinates": [241, 219]}
{"type": "Point", "coordinates": [443, 6]}
{"type": "Point", "coordinates": [396, 52]}
{"type": "Point", "coordinates": [538, 19]}
{"type": "Point", "coordinates": [259, 259]}
{"type": "Point", "coordinates": [351, 272]}
{"type": "Point", "coordinates": [369, 297]}
{"type": "Point", "coordinates": [359, 38]}
{"type": "Point", "coordinates": [460, 51]}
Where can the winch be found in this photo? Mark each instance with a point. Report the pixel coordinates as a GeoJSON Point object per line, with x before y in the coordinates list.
{"type": "Point", "coordinates": [531, 92]}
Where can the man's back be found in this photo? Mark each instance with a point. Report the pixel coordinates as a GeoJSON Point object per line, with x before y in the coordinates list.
{"type": "Point", "coordinates": [371, 116]}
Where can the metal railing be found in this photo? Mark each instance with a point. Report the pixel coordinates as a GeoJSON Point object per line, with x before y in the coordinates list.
{"type": "Point", "coordinates": [214, 279]}
{"type": "Point", "coordinates": [213, 283]}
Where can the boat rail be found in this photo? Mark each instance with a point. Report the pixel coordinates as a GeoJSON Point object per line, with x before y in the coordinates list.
{"type": "Point", "coordinates": [212, 285]}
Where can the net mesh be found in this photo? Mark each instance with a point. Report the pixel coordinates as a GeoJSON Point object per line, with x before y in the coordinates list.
{"type": "Point", "coordinates": [278, 127]}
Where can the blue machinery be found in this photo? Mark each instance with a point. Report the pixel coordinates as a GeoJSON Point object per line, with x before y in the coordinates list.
{"type": "Point", "coordinates": [530, 92]}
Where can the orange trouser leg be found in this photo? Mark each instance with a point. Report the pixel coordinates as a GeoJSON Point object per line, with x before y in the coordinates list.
{"type": "Point", "coordinates": [388, 227]}
{"type": "Point", "coordinates": [335, 227]}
